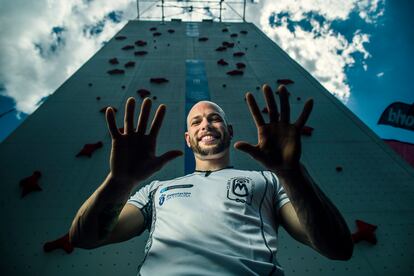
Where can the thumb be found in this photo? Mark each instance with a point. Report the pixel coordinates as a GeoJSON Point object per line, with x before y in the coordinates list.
{"type": "Point", "coordinates": [246, 147]}
{"type": "Point", "coordinates": [168, 156]}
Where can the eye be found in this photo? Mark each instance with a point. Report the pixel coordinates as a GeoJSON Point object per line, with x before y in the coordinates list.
{"type": "Point", "coordinates": [216, 118]}
{"type": "Point", "coordinates": [195, 123]}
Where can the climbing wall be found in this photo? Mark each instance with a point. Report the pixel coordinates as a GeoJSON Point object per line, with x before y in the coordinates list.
{"type": "Point", "coordinates": [60, 154]}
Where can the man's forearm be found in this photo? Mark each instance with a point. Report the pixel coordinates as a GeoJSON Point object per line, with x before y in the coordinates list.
{"type": "Point", "coordinates": [324, 225]}
{"type": "Point", "coordinates": [99, 214]}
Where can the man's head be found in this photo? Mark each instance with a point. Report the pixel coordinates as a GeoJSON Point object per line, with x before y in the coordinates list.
{"type": "Point", "coordinates": [208, 133]}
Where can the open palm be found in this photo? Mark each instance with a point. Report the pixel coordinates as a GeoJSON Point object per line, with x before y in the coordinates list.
{"type": "Point", "coordinates": [133, 152]}
{"type": "Point", "coordinates": [279, 145]}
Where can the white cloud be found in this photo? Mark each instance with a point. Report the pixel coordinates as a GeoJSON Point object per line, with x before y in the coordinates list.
{"type": "Point", "coordinates": [26, 75]}
{"type": "Point", "coordinates": [380, 74]}
{"type": "Point", "coordinates": [325, 53]}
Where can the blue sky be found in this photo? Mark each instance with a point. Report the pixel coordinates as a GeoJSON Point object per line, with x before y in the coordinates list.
{"type": "Point", "coordinates": [359, 50]}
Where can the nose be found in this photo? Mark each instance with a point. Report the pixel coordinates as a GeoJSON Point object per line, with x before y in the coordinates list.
{"type": "Point", "coordinates": [205, 124]}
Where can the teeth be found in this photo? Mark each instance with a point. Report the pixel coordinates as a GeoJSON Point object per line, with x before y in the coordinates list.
{"type": "Point", "coordinates": [207, 138]}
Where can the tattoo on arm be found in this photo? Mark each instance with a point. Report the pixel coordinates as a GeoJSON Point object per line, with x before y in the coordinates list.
{"type": "Point", "coordinates": [108, 218]}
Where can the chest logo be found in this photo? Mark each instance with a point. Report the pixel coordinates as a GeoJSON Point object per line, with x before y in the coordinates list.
{"type": "Point", "coordinates": [162, 199]}
{"type": "Point", "coordinates": [240, 189]}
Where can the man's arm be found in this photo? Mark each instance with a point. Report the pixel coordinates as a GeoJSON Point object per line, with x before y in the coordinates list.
{"type": "Point", "coordinates": [96, 220]}
{"type": "Point", "coordinates": [132, 160]}
{"type": "Point", "coordinates": [314, 220]}
{"type": "Point", "coordinates": [279, 150]}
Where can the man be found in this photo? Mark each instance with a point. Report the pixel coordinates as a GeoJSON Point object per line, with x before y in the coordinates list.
{"type": "Point", "coordinates": [217, 220]}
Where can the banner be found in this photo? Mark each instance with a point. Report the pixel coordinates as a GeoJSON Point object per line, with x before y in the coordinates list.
{"type": "Point", "coordinates": [399, 115]}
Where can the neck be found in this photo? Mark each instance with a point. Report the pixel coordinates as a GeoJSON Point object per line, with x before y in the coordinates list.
{"type": "Point", "coordinates": [212, 163]}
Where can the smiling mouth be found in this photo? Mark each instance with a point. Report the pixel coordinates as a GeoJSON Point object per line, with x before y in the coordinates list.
{"type": "Point", "coordinates": [208, 139]}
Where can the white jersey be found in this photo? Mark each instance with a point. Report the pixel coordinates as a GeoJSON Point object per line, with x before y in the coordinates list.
{"type": "Point", "coordinates": [223, 223]}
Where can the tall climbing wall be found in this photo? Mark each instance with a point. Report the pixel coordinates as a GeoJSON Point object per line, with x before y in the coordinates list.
{"type": "Point", "coordinates": [55, 160]}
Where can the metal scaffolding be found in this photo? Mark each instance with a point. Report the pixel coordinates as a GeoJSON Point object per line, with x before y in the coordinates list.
{"type": "Point", "coordinates": [190, 6]}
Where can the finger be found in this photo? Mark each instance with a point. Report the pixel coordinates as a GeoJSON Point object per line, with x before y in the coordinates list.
{"type": "Point", "coordinates": [110, 119]}
{"type": "Point", "coordinates": [271, 103]}
{"type": "Point", "coordinates": [284, 105]}
{"type": "Point", "coordinates": [254, 110]}
{"type": "Point", "coordinates": [307, 109]}
{"type": "Point", "coordinates": [248, 148]}
{"type": "Point", "coordinates": [168, 156]}
{"type": "Point", "coordinates": [158, 118]}
{"type": "Point", "coordinates": [143, 116]}
{"type": "Point", "coordinates": [129, 115]}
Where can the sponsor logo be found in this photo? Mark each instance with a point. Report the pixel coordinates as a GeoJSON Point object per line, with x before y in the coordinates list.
{"type": "Point", "coordinates": [399, 115]}
{"type": "Point", "coordinates": [240, 189]}
{"type": "Point", "coordinates": [162, 199]}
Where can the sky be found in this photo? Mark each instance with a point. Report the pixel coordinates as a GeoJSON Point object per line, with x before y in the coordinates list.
{"type": "Point", "coordinates": [359, 50]}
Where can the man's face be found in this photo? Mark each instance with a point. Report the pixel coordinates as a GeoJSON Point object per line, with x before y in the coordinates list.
{"type": "Point", "coordinates": [208, 133]}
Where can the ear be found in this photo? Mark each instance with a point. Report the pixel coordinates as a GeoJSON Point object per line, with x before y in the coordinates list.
{"type": "Point", "coordinates": [187, 138]}
{"type": "Point", "coordinates": [230, 128]}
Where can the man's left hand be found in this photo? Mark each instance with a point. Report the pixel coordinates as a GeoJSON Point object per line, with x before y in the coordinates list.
{"type": "Point", "coordinates": [279, 145]}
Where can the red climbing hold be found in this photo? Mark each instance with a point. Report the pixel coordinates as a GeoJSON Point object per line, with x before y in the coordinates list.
{"type": "Point", "coordinates": [120, 37]}
{"type": "Point", "coordinates": [158, 80]}
{"type": "Point", "coordinates": [222, 62]}
{"type": "Point", "coordinates": [264, 110]}
{"type": "Point", "coordinates": [307, 131]}
{"type": "Point", "coordinates": [128, 47]}
{"type": "Point", "coordinates": [116, 72]}
{"type": "Point", "coordinates": [203, 38]}
{"type": "Point", "coordinates": [143, 93]}
{"type": "Point", "coordinates": [113, 61]}
{"type": "Point", "coordinates": [30, 184]}
{"type": "Point", "coordinates": [243, 32]}
{"type": "Point", "coordinates": [153, 29]}
{"type": "Point", "coordinates": [225, 30]}
{"type": "Point", "coordinates": [103, 110]}
{"type": "Point", "coordinates": [129, 64]}
{"type": "Point", "coordinates": [221, 49]}
{"type": "Point", "coordinates": [285, 81]}
{"type": "Point", "coordinates": [171, 31]}
{"type": "Point", "coordinates": [234, 35]}
{"type": "Point", "coordinates": [238, 54]}
{"type": "Point", "coordinates": [156, 34]}
{"type": "Point", "coordinates": [240, 65]}
{"type": "Point", "coordinates": [61, 243]}
{"type": "Point", "coordinates": [227, 44]}
{"type": "Point", "coordinates": [121, 130]}
{"type": "Point", "coordinates": [140, 43]}
{"type": "Point", "coordinates": [88, 149]}
{"type": "Point", "coordinates": [140, 53]}
{"type": "Point", "coordinates": [365, 232]}
{"type": "Point", "coordinates": [235, 72]}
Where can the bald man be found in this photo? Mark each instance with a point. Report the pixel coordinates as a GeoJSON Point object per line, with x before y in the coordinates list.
{"type": "Point", "coordinates": [218, 220]}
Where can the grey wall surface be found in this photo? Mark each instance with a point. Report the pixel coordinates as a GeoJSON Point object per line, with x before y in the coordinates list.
{"type": "Point", "coordinates": [375, 185]}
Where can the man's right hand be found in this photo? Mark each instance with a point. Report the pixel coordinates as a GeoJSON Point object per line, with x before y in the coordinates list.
{"type": "Point", "coordinates": [133, 152]}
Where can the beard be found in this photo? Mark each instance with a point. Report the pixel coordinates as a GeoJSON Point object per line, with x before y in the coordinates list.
{"type": "Point", "coordinates": [222, 144]}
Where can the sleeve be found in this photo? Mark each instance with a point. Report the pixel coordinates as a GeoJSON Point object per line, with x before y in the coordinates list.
{"type": "Point", "coordinates": [281, 197]}
{"type": "Point", "coordinates": [143, 199]}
